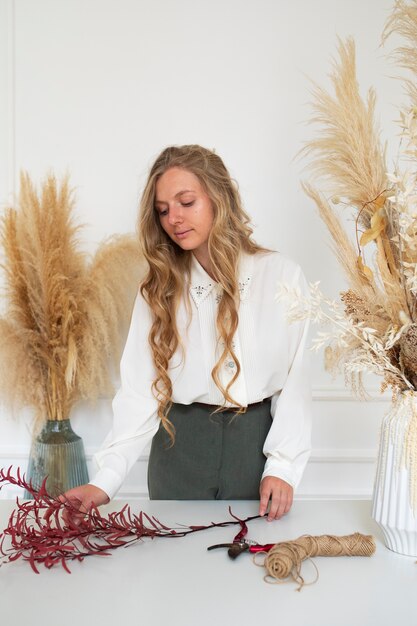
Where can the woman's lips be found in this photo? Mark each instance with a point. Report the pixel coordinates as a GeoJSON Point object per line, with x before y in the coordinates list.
{"type": "Point", "coordinates": [183, 233]}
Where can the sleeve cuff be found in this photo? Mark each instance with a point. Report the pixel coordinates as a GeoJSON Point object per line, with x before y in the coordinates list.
{"type": "Point", "coordinates": [108, 480]}
{"type": "Point", "coordinates": [280, 469]}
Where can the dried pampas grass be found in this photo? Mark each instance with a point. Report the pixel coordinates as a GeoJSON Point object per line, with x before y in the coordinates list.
{"type": "Point", "coordinates": [347, 153]}
{"type": "Point", "coordinates": [403, 21]}
{"type": "Point", "coordinates": [348, 159]}
{"type": "Point", "coordinates": [66, 318]}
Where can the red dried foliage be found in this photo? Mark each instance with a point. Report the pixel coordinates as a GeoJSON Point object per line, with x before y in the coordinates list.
{"type": "Point", "coordinates": [37, 533]}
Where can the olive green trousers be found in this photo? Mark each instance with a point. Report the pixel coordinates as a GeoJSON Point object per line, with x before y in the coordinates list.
{"type": "Point", "coordinates": [215, 456]}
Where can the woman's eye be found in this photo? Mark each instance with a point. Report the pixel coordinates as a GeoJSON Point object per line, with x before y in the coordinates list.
{"type": "Point", "coordinates": [188, 203]}
{"type": "Point", "coordinates": [163, 212]}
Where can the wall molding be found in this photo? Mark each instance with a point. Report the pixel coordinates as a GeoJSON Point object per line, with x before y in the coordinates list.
{"type": "Point", "coordinates": [11, 101]}
{"type": "Point", "coordinates": [343, 455]}
{"type": "Point", "coordinates": [342, 394]}
{"type": "Point", "coordinates": [364, 494]}
{"type": "Point", "coordinates": [324, 455]}
{"type": "Point", "coordinates": [324, 394]}
{"type": "Point", "coordinates": [331, 474]}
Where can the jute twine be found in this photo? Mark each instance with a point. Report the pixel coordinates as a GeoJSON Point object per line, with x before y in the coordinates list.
{"type": "Point", "coordinates": [284, 561]}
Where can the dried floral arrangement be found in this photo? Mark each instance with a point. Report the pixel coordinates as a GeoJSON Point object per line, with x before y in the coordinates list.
{"type": "Point", "coordinates": [374, 328]}
{"type": "Point", "coordinates": [66, 317]}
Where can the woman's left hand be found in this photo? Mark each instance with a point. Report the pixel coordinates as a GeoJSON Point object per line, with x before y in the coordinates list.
{"type": "Point", "coordinates": [279, 492]}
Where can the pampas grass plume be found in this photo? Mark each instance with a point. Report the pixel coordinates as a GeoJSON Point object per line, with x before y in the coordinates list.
{"type": "Point", "coordinates": [66, 317]}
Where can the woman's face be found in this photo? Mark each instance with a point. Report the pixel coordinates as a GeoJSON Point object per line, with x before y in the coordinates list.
{"type": "Point", "coordinates": [185, 210]}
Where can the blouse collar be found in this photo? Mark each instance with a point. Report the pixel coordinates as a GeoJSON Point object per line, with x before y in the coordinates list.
{"type": "Point", "coordinates": [201, 283]}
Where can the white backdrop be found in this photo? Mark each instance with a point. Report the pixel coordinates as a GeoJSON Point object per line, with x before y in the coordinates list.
{"type": "Point", "coordinates": [99, 87]}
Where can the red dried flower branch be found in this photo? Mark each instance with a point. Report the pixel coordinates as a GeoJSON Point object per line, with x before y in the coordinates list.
{"type": "Point", "coordinates": [37, 533]}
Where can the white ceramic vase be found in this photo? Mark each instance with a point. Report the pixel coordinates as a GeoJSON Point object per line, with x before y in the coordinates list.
{"type": "Point", "coordinates": [395, 489]}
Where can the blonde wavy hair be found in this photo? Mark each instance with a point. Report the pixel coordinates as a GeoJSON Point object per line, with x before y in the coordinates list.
{"type": "Point", "coordinates": [169, 267]}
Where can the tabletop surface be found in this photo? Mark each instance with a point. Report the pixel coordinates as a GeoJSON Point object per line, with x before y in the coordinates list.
{"type": "Point", "coordinates": [177, 581]}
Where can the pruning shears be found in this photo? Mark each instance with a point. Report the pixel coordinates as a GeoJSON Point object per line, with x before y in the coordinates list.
{"type": "Point", "coordinates": [241, 544]}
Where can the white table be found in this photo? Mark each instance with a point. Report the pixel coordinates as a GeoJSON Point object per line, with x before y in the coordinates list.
{"type": "Point", "coordinates": [166, 582]}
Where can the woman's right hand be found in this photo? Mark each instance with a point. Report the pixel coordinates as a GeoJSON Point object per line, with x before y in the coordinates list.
{"type": "Point", "coordinates": [82, 498]}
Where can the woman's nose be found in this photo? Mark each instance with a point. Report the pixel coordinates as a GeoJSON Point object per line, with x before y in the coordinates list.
{"type": "Point", "coordinates": [175, 216]}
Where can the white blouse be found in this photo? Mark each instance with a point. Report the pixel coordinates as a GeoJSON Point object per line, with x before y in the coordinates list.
{"type": "Point", "coordinates": [273, 362]}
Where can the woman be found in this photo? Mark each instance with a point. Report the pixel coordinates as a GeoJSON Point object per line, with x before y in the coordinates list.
{"type": "Point", "coordinates": [211, 370]}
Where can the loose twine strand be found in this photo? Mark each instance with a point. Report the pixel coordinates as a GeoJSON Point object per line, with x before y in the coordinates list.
{"type": "Point", "coordinates": [283, 562]}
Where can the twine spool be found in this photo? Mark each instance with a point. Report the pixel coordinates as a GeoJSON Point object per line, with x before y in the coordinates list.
{"type": "Point", "coordinates": [284, 560]}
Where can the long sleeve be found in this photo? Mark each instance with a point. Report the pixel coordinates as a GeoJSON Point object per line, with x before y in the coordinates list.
{"type": "Point", "coordinates": [135, 418]}
{"type": "Point", "coordinates": [288, 444]}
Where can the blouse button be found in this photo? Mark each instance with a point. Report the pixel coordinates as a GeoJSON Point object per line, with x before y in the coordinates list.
{"type": "Point", "coordinates": [231, 364]}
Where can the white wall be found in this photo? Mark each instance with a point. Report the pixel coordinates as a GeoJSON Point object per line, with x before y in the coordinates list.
{"type": "Point", "coordinates": [99, 87]}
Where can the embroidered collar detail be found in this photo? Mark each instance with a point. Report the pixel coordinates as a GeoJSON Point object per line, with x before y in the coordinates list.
{"type": "Point", "coordinates": [200, 292]}
{"type": "Point", "coordinates": [201, 284]}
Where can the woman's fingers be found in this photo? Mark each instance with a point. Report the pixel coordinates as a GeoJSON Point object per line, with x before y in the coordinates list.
{"type": "Point", "coordinates": [77, 502]}
{"type": "Point", "coordinates": [280, 495]}
{"type": "Point", "coordinates": [68, 513]}
{"type": "Point", "coordinates": [264, 500]}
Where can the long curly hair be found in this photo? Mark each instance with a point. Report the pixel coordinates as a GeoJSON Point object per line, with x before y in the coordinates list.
{"type": "Point", "coordinates": [169, 267]}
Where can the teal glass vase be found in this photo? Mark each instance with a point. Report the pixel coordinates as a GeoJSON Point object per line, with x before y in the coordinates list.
{"type": "Point", "coordinates": [58, 454]}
